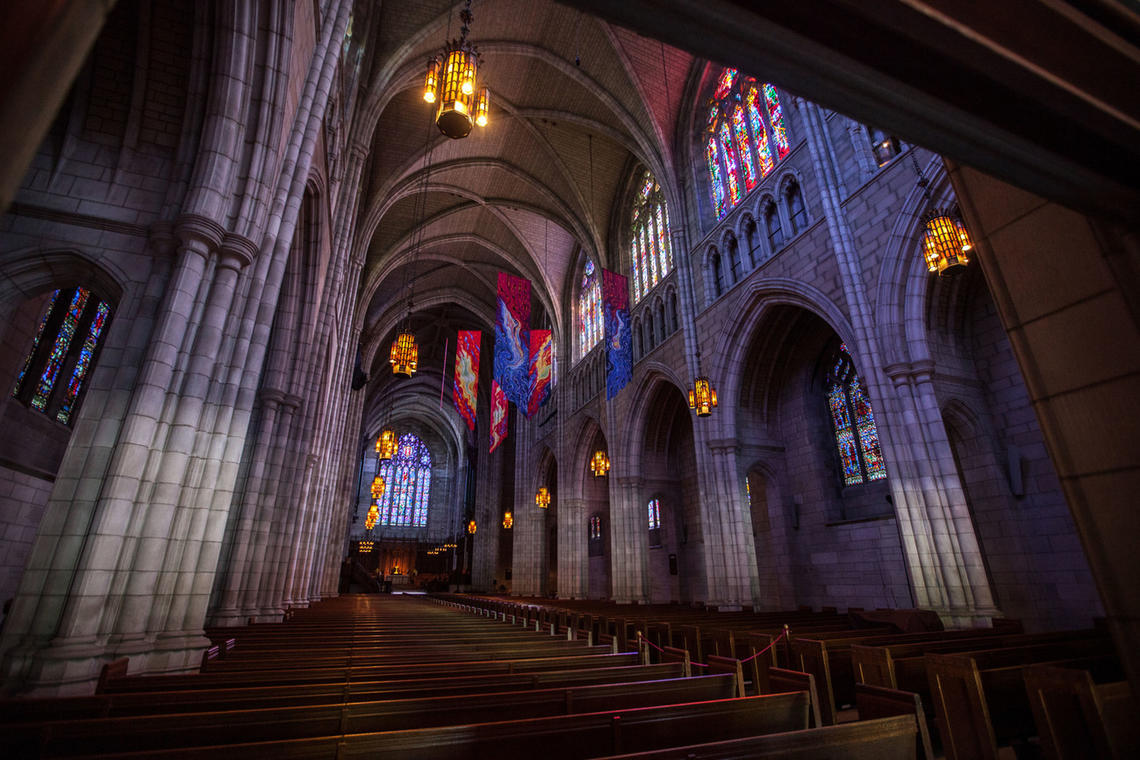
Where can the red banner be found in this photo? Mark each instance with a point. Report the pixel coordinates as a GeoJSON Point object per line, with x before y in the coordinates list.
{"type": "Point", "coordinates": [465, 393]}
{"type": "Point", "coordinates": [498, 415]}
{"type": "Point", "coordinates": [541, 363]}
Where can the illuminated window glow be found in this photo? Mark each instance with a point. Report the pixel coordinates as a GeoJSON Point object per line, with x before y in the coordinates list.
{"type": "Point", "coordinates": [654, 514]}
{"type": "Point", "coordinates": [589, 309]}
{"type": "Point", "coordinates": [651, 255]}
{"type": "Point", "coordinates": [404, 503]}
{"type": "Point", "coordinates": [856, 436]}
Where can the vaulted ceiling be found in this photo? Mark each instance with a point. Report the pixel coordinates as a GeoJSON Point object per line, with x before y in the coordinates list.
{"type": "Point", "coordinates": [576, 106]}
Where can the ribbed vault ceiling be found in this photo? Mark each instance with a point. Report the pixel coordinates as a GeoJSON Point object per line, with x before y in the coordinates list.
{"type": "Point", "coordinates": [575, 105]}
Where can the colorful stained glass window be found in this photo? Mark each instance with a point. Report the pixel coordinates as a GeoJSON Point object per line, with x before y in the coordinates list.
{"type": "Point", "coordinates": [654, 514]}
{"type": "Point", "coordinates": [59, 349]}
{"type": "Point", "coordinates": [650, 257]}
{"type": "Point", "coordinates": [745, 122]}
{"type": "Point", "coordinates": [404, 503]}
{"type": "Point", "coordinates": [740, 132]}
{"type": "Point", "coordinates": [856, 436]}
{"type": "Point", "coordinates": [715, 180]}
{"type": "Point", "coordinates": [589, 309]}
{"type": "Point", "coordinates": [83, 363]}
{"type": "Point", "coordinates": [35, 343]}
{"type": "Point", "coordinates": [776, 119]}
{"type": "Point", "coordinates": [595, 527]}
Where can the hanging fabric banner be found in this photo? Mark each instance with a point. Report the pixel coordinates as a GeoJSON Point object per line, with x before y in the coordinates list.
{"type": "Point", "coordinates": [618, 337]}
{"type": "Point", "coordinates": [498, 415]}
{"type": "Point", "coordinates": [512, 346]}
{"type": "Point", "coordinates": [466, 390]}
{"type": "Point", "coordinates": [541, 361]}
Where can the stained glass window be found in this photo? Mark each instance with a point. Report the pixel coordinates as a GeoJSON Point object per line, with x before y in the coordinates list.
{"type": "Point", "coordinates": [651, 255]}
{"type": "Point", "coordinates": [70, 330]}
{"type": "Point", "coordinates": [589, 309]}
{"type": "Point", "coordinates": [654, 514]}
{"type": "Point", "coordinates": [408, 476]}
{"type": "Point", "coordinates": [595, 527]}
{"type": "Point", "coordinates": [856, 436]}
{"type": "Point", "coordinates": [742, 131]}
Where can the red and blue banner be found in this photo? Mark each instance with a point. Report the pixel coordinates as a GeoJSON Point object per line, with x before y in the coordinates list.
{"type": "Point", "coordinates": [618, 336]}
{"type": "Point", "coordinates": [466, 390]}
{"type": "Point", "coordinates": [541, 362]}
{"type": "Point", "coordinates": [498, 415]}
{"type": "Point", "coordinates": [512, 345]}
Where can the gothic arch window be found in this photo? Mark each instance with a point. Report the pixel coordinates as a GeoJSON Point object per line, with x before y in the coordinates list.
{"type": "Point", "coordinates": [745, 137]}
{"type": "Point", "coordinates": [674, 323]}
{"type": "Point", "coordinates": [55, 372]}
{"type": "Point", "coordinates": [773, 227]}
{"type": "Point", "coordinates": [589, 309]}
{"type": "Point", "coordinates": [797, 213]}
{"type": "Point", "coordinates": [408, 479]}
{"type": "Point", "coordinates": [717, 274]}
{"type": "Point", "coordinates": [733, 251]}
{"type": "Point", "coordinates": [595, 546]}
{"type": "Point", "coordinates": [750, 240]}
{"type": "Point", "coordinates": [662, 325]}
{"type": "Point", "coordinates": [853, 421]}
{"type": "Point", "coordinates": [654, 521]}
{"type": "Point", "coordinates": [651, 248]}
{"type": "Point", "coordinates": [638, 342]}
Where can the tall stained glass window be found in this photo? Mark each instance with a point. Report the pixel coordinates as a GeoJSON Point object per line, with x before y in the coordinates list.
{"type": "Point", "coordinates": [654, 514]}
{"type": "Point", "coordinates": [595, 527]}
{"type": "Point", "coordinates": [746, 136]}
{"type": "Point", "coordinates": [856, 436]}
{"type": "Point", "coordinates": [589, 309]}
{"type": "Point", "coordinates": [63, 352]}
{"type": "Point", "coordinates": [651, 248]}
{"type": "Point", "coordinates": [408, 479]}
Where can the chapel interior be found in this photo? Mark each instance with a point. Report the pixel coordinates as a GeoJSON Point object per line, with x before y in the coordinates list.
{"type": "Point", "coordinates": [821, 306]}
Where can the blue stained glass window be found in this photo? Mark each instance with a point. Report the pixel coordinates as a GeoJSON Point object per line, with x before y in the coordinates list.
{"type": "Point", "coordinates": [36, 342]}
{"type": "Point", "coordinates": [589, 309]}
{"type": "Point", "coordinates": [654, 514]}
{"type": "Point", "coordinates": [83, 363]}
{"type": "Point", "coordinates": [651, 257]}
{"type": "Point", "coordinates": [856, 436]}
{"type": "Point", "coordinates": [59, 349]}
{"type": "Point", "coordinates": [408, 478]}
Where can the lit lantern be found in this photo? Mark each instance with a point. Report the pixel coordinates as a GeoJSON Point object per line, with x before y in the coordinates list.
{"type": "Point", "coordinates": [453, 87]}
{"type": "Point", "coordinates": [365, 547]}
{"type": "Point", "coordinates": [378, 486]}
{"type": "Point", "coordinates": [600, 464]}
{"type": "Point", "coordinates": [471, 527]}
{"type": "Point", "coordinates": [386, 444]}
{"type": "Point", "coordinates": [372, 518]}
{"type": "Point", "coordinates": [702, 397]}
{"type": "Point", "coordinates": [542, 498]}
{"type": "Point", "coordinates": [405, 355]}
{"type": "Point", "coordinates": [945, 242]}
{"type": "Point", "coordinates": [508, 521]}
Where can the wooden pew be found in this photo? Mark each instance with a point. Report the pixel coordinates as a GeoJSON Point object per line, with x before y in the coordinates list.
{"type": "Point", "coordinates": [874, 702]}
{"type": "Point", "coordinates": [1077, 717]}
{"type": "Point", "coordinates": [166, 731]}
{"type": "Point", "coordinates": [566, 737]}
{"type": "Point", "coordinates": [980, 699]}
{"type": "Point", "coordinates": [890, 738]}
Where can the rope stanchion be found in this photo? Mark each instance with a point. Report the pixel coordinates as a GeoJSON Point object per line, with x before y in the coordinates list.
{"type": "Point", "coordinates": [772, 643]}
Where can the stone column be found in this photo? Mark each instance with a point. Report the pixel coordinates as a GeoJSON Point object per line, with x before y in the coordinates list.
{"type": "Point", "coordinates": [729, 545]}
{"type": "Point", "coordinates": [629, 537]}
{"type": "Point", "coordinates": [572, 560]}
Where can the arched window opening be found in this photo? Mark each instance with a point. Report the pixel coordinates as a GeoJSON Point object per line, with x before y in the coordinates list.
{"type": "Point", "coordinates": [750, 241]}
{"type": "Point", "coordinates": [674, 323]}
{"type": "Point", "coordinates": [68, 338]}
{"type": "Point", "coordinates": [718, 275]}
{"type": "Point", "coordinates": [663, 326]}
{"type": "Point", "coordinates": [654, 514]}
{"type": "Point", "coordinates": [646, 345]}
{"type": "Point", "coordinates": [589, 309]}
{"type": "Point", "coordinates": [652, 330]}
{"type": "Point", "coordinates": [797, 214]}
{"type": "Point", "coordinates": [773, 225]}
{"type": "Point", "coordinates": [595, 545]}
{"type": "Point", "coordinates": [651, 251]}
{"type": "Point", "coordinates": [407, 475]}
{"type": "Point", "coordinates": [856, 435]}
{"type": "Point", "coordinates": [638, 344]}
{"type": "Point", "coordinates": [884, 146]}
{"type": "Point", "coordinates": [734, 259]}
{"type": "Point", "coordinates": [745, 137]}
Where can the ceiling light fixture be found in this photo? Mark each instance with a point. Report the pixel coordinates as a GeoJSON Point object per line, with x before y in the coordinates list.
{"type": "Point", "coordinates": [451, 84]}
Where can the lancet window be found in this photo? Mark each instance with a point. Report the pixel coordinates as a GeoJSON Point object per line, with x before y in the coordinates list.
{"type": "Point", "coordinates": [55, 372]}
{"type": "Point", "coordinates": [589, 309]}
{"type": "Point", "coordinates": [745, 137]}
{"type": "Point", "coordinates": [651, 249]}
{"type": "Point", "coordinates": [856, 435]}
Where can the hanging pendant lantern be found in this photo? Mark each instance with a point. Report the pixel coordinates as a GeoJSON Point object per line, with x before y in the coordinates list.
{"type": "Point", "coordinates": [702, 396]}
{"type": "Point", "coordinates": [471, 527]}
{"type": "Point", "coordinates": [372, 518]}
{"type": "Point", "coordinates": [508, 521]}
{"type": "Point", "coordinates": [404, 356]}
{"type": "Point", "coordinates": [600, 464]}
{"type": "Point", "coordinates": [945, 241]}
{"type": "Point", "coordinates": [378, 486]}
{"type": "Point", "coordinates": [453, 87]}
{"type": "Point", "coordinates": [386, 444]}
{"type": "Point", "coordinates": [542, 498]}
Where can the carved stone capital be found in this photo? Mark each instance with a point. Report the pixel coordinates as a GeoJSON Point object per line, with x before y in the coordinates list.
{"type": "Point", "coordinates": [723, 445]}
{"type": "Point", "coordinates": [198, 234]}
{"type": "Point", "coordinates": [272, 396]}
{"type": "Point", "coordinates": [236, 252]}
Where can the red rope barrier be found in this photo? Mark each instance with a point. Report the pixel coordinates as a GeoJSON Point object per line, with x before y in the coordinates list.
{"type": "Point", "coordinates": [772, 643]}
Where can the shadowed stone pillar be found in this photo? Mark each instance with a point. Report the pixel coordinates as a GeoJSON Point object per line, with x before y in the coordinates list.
{"type": "Point", "coordinates": [572, 565]}
{"type": "Point", "coordinates": [628, 530]}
